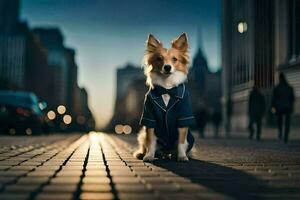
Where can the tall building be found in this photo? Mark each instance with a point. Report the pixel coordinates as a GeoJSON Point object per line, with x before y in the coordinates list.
{"type": "Point", "coordinates": [36, 67]}
{"type": "Point", "coordinates": [64, 71]}
{"type": "Point", "coordinates": [23, 60]}
{"type": "Point", "coordinates": [85, 111]}
{"type": "Point", "coordinates": [130, 93]}
{"type": "Point", "coordinates": [125, 76]}
{"type": "Point", "coordinates": [9, 15]}
{"type": "Point", "coordinates": [12, 46]}
{"type": "Point", "coordinates": [204, 87]}
{"type": "Point", "coordinates": [260, 39]}
{"type": "Point", "coordinates": [198, 70]}
{"type": "Point", "coordinates": [12, 60]}
{"type": "Point", "coordinates": [72, 82]}
{"type": "Point", "coordinates": [52, 39]}
{"type": "Point", "coordinates": [287, 46]}
{"type": "Point", "coordinates": [37, 61]}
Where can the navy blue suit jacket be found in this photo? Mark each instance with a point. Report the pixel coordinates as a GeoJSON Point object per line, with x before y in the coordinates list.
{"type": "Point", "coordinates": [167, 119]}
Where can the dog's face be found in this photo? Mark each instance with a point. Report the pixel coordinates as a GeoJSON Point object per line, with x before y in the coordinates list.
{"type": "Point", "coordinates": [164, 62]}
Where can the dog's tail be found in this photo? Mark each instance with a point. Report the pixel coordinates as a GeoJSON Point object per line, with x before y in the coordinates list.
{"type": "Point", "coordinates": [140, 153]}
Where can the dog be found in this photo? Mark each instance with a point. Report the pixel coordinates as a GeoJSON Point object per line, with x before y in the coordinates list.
{"type": "Point", "coordinates": [167, 110]}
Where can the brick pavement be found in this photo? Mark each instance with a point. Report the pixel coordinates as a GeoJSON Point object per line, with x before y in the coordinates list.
{"type": "Point", "coordinates": [100, 166]}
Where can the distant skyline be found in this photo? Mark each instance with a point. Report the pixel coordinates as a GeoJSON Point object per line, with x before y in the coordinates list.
{"type": "Point", "coordinates": [108, 34]}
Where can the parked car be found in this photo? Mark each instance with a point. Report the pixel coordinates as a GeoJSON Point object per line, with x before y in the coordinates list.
{"type": "Point", "coordinates": [21, 112]}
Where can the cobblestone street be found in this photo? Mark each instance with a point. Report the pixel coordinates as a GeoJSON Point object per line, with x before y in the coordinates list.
{"type": "Point", "coordinates": [100, 166]}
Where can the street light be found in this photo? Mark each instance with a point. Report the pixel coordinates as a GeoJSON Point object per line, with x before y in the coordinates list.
{"type": "Point", "coordinates": [242, 27]}
{"type": "Point", "coordinates": [61, 109]}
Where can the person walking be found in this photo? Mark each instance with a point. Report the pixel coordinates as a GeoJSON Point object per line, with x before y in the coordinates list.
{"type": "Point", "coordinates": [256, 111]}
{"type": "Point", "coordinates": [201, 117]}
{"type": "Point", "coordinates": [283, 99]}
{"type": "Point", "coordinates": [216, 120]}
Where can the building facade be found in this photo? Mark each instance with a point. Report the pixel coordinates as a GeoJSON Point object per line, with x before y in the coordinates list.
{"type": "Point", "coordinates": [287, 46]}
{"type": "Point", "coordinates": [259, 40]}
{"type": "Point", "coordinates": [85, 112]}
{"type": "Point", "coordinates": [130, 93]}
{"type": "Point", "coordinates": [12, 46]}
{"type": "Point", "coordinates": [37, 61]}
{"type": "Point", "coordinates": [72, 80]}
{"type": "Point", "coordinates": [205, 90]}
{"type": "Point", "coordinates": [57, 59]}
{"type": "Point", "coordinates": [9, 15]}
{"type": "Point", "coordinates": [64, 75]}
{"type": "Point", "coordinates": [125, 76]}
{"type": "Point", "coordinates": [23, 59]}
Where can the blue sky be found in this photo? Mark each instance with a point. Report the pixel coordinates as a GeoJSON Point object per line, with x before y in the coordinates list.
{"type": "Point", "coordinates": [108, 34]}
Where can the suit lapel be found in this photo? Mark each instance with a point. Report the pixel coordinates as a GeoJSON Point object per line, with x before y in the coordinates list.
{"type": "Point", "coordinates": [160, 103]}
{"type": "Point", "coordinates": [172, 102]}
{"type": "Point", "coordinates": [175, 99]}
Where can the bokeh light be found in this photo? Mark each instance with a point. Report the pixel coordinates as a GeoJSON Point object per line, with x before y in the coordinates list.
{"type": "Point", "coordinates": [80, 119]}
{"type": "Point", "coordinates": [61, 109]}
{"type": "Point", "coordinates": [93, 136]}
{"type": "Point", "coordinates": [119, 129]}
{"type": "Point", "coordinates": [127, 129]}
{"type": "Point", "coordinates": [28, 131]}
{"type": "Point", "coordinates": [51, 115]}
{"type": "Point", "coordinates": [67, 119]}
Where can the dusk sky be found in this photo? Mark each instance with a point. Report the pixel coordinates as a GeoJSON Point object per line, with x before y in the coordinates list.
{"type": "Point", "coordinates": [108, 34]}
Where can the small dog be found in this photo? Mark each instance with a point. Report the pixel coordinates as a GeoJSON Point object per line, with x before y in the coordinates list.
{"type": "Point", "coordinates": [167, 110]}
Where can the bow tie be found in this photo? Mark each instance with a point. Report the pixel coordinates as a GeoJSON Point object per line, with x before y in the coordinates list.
{"type": "Point", "coordinates": [161, 90]}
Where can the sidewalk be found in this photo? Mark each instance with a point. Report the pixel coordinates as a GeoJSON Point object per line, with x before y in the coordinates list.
{"type": "Point", "coordinates": [267, 133]}
{"type": "Point", "coordinates": [101, 166]}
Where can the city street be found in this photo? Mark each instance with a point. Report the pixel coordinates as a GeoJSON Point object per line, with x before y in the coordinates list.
{"type": "Point", "coordinates": [228, 70]}
{"type": "Point", "coordinates": [101, 166]}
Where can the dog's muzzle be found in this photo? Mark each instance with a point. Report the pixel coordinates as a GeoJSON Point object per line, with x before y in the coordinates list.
{"type": "Point", "coordinates": [167, 69]}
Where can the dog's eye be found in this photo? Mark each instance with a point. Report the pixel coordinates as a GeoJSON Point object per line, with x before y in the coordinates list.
{"type": "Point", "coordinates": [174, 59]}
{"type": "Point", "coordinates": [159, 58]}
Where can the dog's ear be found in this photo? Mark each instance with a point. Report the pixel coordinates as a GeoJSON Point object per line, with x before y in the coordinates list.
{"type": "Point", "coordinates": [181, 43]}
{"type": "Point", "coordinates": [152, 43]}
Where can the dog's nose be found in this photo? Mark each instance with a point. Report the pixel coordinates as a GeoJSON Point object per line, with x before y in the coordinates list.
{"type": "Point", "coordinates": [167, 68]}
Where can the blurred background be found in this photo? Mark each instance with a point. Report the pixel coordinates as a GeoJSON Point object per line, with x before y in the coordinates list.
{"type": "Point", "coordinates": [73, 65]}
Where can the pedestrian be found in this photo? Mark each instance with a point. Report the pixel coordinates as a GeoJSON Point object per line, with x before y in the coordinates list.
{"type": "Point", "coordinates": [201, 117]}
{"type": "Point", "coordinates": [256, 111]}
{"type": "Point", "coordinates": [283, 99]}
{"type": "Point", "coordinates": [216, 119]}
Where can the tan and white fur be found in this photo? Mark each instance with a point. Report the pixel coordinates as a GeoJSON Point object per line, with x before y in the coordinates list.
{"type": "Point", "coordinates": [167, 68]}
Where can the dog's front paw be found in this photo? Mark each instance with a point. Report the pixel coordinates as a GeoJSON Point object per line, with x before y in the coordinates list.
{"type": "Point", "coordinates": [148, 158]}
{"type": "Point", "coordinates": [139, 155]}
{"type": "Point", "coordinates": [182, 159]}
